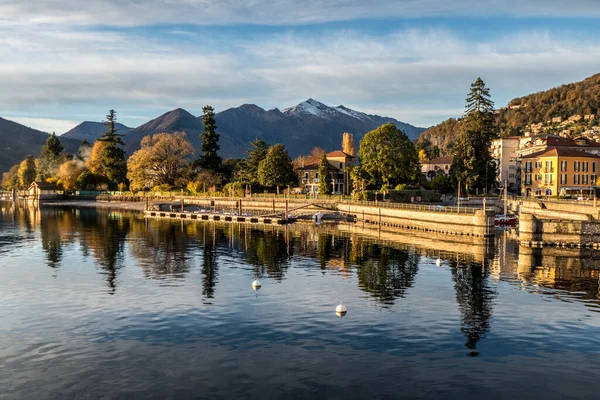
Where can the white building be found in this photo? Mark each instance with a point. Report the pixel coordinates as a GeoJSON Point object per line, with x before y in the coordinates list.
{"type": "Point", "coordinates": [505, 153]}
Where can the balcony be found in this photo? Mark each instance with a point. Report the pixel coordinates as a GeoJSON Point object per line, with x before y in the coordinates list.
{"type": "Point", "coordinates": [547, 170]}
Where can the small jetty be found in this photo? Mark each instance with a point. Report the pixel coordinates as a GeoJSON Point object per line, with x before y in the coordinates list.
{"type": "Point", "coordinates": [197, 213]}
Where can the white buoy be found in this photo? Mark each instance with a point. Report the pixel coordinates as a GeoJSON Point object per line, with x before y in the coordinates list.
{"type": "Point", "coordinates": [438, 262]}
{"type": "Point", "coordinates": [341, 310]}
{"type": "Point", "coordinates": [256, 285]}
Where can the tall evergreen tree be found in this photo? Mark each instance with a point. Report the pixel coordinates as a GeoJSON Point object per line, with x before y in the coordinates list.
{"type": "Point", "coordinates": [472, 161]}
{"type": "Point", "coordinates": [112, 161]}
{"type": "Point", "coordinates": [50, 158]}
{"type": "Point", "coordinates": [324, 176]}
{"type": "Point", "coordinates": [210, 158]}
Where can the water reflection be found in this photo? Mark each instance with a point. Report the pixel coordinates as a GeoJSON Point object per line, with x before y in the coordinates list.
{"type": "Point", "coordinates": [475, 300]}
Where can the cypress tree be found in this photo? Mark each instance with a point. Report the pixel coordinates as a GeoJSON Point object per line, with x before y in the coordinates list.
{"type": "Point", "coordinates": [210, 158]}
{"type": "Point", "coordinates": [112, 158]}
{"type": "Point", "coordinates": [324, 176]}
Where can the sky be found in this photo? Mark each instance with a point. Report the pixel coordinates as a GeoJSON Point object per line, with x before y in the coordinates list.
{"type": "Point", "coordinates": [63, 62]}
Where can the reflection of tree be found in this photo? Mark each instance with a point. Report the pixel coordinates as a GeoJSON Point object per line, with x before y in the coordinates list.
{"type": "Point", "coordinates": [474, 300]}
{"type": "Point", "coordinates": [324, 248]}
{"type": "Point", "coordinates": [209, 267]}
{"type": "Point", "coordinates": [161, 250]}
{"type": "Point", "coordinates": [384, 272]}
{"type": "Point", "coordinates": [267, 252]}
{"type": "Point", "coordinates": [105, 235]}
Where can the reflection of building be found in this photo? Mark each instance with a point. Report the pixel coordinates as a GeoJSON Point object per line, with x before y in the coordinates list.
{"type": "Point", "coordinates": [504, 151]}
{"type": "Point", "coordinates": [308, 175]}
{"type": "Point", "coordinates": [559, 171]}
{"type": "Point", "coordinates": [436, 166]}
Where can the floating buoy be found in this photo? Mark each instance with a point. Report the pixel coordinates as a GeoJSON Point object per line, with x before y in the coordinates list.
{"type": "Point", "coordinates": [341, 310]}
{"type": "Point", "coordinates": [438, 262]}
{"type": "Point", "coordinates": [256, 285]}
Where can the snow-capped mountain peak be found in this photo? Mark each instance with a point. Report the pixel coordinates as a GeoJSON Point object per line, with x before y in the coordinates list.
{"type": "Point", "coordinates": [312, 107]}
{"type": "Point", "coordinates": [352, 113]}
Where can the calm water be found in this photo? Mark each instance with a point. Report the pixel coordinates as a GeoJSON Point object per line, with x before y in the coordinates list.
{"type": "Point", "coordinates": [103, 304]}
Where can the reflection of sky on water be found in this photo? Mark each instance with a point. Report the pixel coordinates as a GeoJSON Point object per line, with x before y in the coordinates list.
{"type": "Point", "coordinates": [160, 308]}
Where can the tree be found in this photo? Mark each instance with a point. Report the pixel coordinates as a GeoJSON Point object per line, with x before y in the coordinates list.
{"type": "Point", "coordinates": [27, 171]}
{"type": "Point", "coordinates": [387, 154]}
{"type": "Point", "coordinates": [472, 160]}
{"type": "Point", "coordinates": [276, 169]}
{"type": "Point", "coordinates": [10, 179]}
{"type": "Point", "coordinates": [313, 158]}
{"type": "Point", "coordinates": [50, 158]}
{"type": "Point", "coordinates": [107, 158]}
{"type": "Point", "coordinates": [348, 146]}
{"type": "Point", "coordinates": [69, 172]}
{"type": "Point", "coordinates": [324, 176]}
{"type": "Point", "coordinates": [248, 169]}
{"type": "Point", "coordinates": [209, 158]}
{"type": "Point", "coordinates": [162, 160]}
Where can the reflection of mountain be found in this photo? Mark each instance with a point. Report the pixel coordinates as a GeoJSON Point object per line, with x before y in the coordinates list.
{"type": "Point", "coordinates": [475, 301]}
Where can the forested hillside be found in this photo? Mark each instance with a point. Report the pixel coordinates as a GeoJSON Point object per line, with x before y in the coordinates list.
{"type": "Point", "coordinates": [579, 98]}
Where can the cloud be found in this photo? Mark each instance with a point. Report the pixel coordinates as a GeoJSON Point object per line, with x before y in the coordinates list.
{"type": "Point", "coordinates": [272, 12]}
{"type": "Point", "coordinates": [416, 75]}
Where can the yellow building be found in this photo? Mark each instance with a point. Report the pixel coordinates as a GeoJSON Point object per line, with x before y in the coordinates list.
{"type": "Point", "coordinates": [559, 171]}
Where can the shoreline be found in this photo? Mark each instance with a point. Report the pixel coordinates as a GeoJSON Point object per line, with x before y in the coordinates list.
{"type": "Point", "coordinates": [120, 205]}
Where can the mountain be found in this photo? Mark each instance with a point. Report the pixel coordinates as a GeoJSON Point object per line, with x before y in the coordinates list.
{"type": "Point", "coordinates": [18, 141]}
{"type": "Point", "coordinates": [90, 131]}
{"type": "Point", "coordinates": [299, 128]}
{"type": "Point", "coordinates": [579, 98]}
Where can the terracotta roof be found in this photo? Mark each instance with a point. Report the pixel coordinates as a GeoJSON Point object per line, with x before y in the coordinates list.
{"type": "Point", "coordinates": [339, 153]}
{"type": "Point", "coordinates": [561, 152]}
{"type": "Point", "coordinates": [441, 160]}
{"type": "Point", "coordinates": [313, 167]}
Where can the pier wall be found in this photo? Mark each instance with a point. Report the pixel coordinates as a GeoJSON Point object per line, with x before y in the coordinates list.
{"type": "Point", "coordinates": [539, 232]}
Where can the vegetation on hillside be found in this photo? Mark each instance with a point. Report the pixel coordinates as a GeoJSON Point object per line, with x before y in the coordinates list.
{"type": "Point", "coordinates": [579, 98]}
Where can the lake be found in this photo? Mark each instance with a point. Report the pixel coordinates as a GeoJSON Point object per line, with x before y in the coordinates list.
{"type": "Point", "coordinates": [107, 304]}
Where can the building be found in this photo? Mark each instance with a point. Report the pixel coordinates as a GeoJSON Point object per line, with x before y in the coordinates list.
{"type": "Point", "coordinates": [436, 166]}
{"type": "Point", "coordinates": [559, 171]}
{"type": "Point", "coordinates": [43, 191]}
{"type": "Point", "coordinates": [505, 154]}
{"type": "Point", "coordinates": [534, 144]}
{"type": "Point", "coordinates": [339, 162]}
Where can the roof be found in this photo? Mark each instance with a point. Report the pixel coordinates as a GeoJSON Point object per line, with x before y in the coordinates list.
{"type": "Point", "coordinates": [339, 153]}
{"type": "Point", "coordinates": [561, 152]}
{"type": "Point", "coordinates": [441, 160]}
{"type": "Point", "coordinates": [44, 185]}
{"type": "Point", "coordinates": [315, 166]}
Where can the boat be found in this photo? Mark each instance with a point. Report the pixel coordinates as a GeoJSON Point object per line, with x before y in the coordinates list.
{"type": "Point", "coordinates": [505, 220]}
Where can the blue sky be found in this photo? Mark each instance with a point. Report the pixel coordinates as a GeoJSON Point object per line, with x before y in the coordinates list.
{"type": "Point", "coordinates": [62, 62]}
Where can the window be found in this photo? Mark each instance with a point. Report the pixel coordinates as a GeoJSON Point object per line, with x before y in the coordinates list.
{"type": "Point", "coordinates": [549, 166]}
{"type": "Point", "coordinates": [528, 179]}
{"type": "Point", "coordinates": [341, 165]}
{"type": "Point", "coordinates": [538, 177]}
{"type": "Point", "coordinates": [584, 166]}
{"type": "Point", "coordinates": [584, 179]}
{"type": "Point", "coordinates": [538, 192]}
{"type": "Point", "coordinates": [576, 166]}
{"type": "Point", "coordinates": [563, 166]}
{"type": "Point", "coordinates": [306, 175]}
{"type": "Point", "coordinates": [548, 179]}
{"type": "Point", "coordinates": [538, 164]}
{"type": "Point", "coordinates": [563, 179]}
{"type": "Point", "coordinates": [576, 179]}
{"type": "Point", "coordinates": [511, 175]}
{"type": "Point", "coordinates": [528, 166]}
{"type": "Point", "coordinates": [317, 175]}
{"type": "Point", "coordinates": [594, 167]}
{"type": "Point", "coordinates": [593, 180]}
